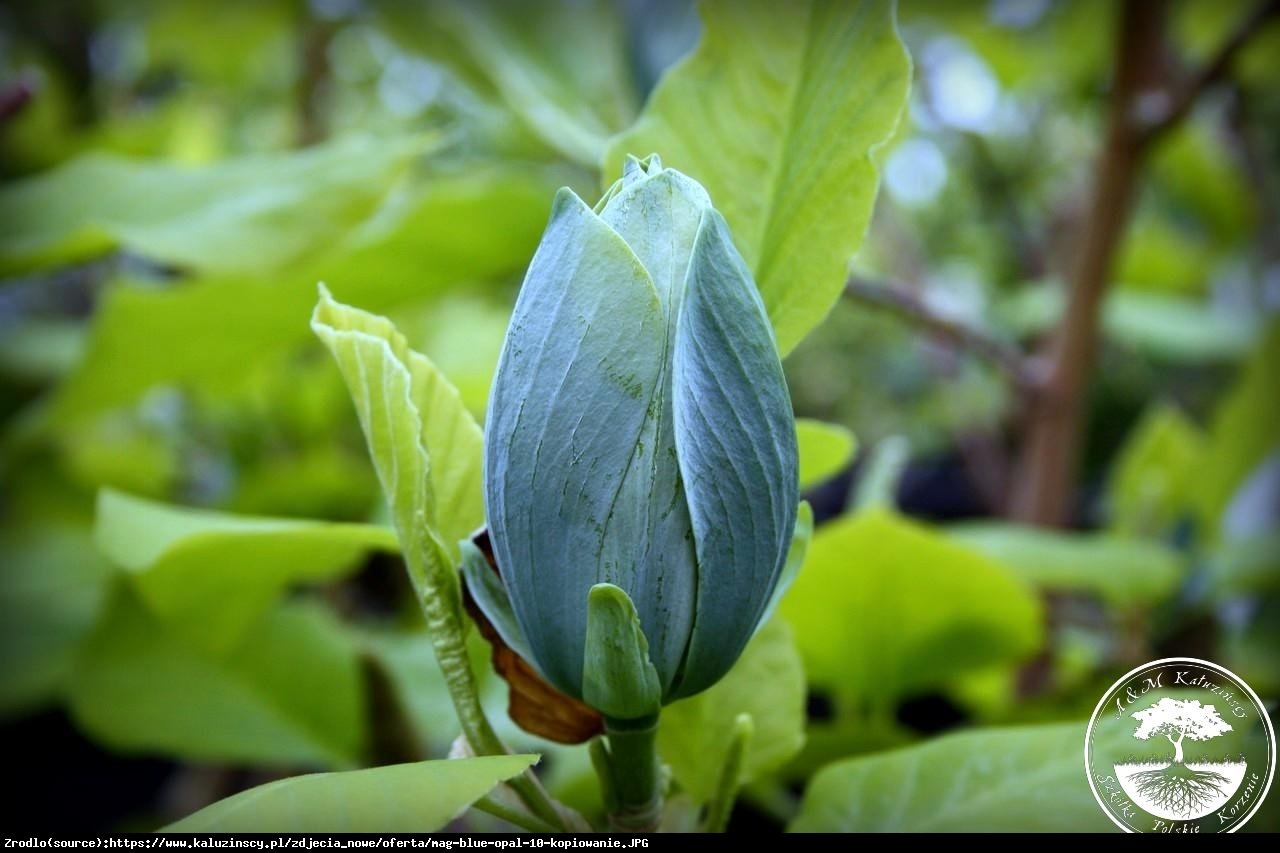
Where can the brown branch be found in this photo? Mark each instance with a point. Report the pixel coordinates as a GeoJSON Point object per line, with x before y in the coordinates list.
{"type": "Point", "coordinates": [313, 81]}
{"type": "Point", "coordinates": [905, 302]}
{"type": "Point", "coordinates": [1045, 483]}
{"type": "Point", "coordinates": [1183, 97]}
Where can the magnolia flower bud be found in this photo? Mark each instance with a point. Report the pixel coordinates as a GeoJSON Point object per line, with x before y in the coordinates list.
{"type": "Point", "coordinates": [640, 455]}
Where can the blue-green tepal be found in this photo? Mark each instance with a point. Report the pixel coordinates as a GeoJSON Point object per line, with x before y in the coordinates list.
{"type": "Point", "coordinates": [640, 453]}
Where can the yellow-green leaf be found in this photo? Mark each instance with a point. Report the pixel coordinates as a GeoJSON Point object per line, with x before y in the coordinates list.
{"type": "Point", "coordinates": [420, 797]}
{"type": "Point", "coordinates": [1122, 571]}
{"type": "Point", "coordinates": [824, 450]}
{"type": "Point", "coordinates": [53, 586]}
{"type": "Point", "coordinates": [426, 446]}
{"type": "Point", "coordinates": [289, 694]}
{"type": "Point", "coordinates": [455, 229]}
{"type": "Point", "coordinates": [767, 682]}
{"type": "Point", "coordinates": [778, 113]}
{"type": "Point", "coordinates": [996, 780]}
{"type": "Point", "coordinates": [886, 606]}
{"type": "Point", "coordinates": [1152, 481]}
{"type": "Point", "coordinates": [561, 67]}
{"type": "Point", "coordinates": [211, 574]}
{"type": "Point", "coordinates": [253, 214]}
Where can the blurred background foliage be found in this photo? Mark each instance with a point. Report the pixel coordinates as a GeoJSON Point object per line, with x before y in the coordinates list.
{"type": "Point", "coordinates": [179, 175]}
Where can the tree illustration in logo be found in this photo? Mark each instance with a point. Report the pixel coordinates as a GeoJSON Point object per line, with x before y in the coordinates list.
{"type": "Point", "coordinates": [1178, 788]}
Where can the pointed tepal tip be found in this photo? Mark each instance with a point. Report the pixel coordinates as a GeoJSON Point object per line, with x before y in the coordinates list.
{"type": "Point", "coordinates": [634, 168]}
{"type": "Point", "coordinates": [566, 201]}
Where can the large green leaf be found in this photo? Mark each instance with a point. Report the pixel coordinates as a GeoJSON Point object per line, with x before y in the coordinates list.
{"type": "Point", "coordinates": [824, 450]}
{"type": "Point", "coordinates": [1153, 479]}
{"type": "Point", "coordinates": [52, 587]}
{"type": "Point", "coordinates": [997, 780]}
{"type": "Point", "coordinates": [254, 214]}
{"type": "Point", "coordinates": [420, 797]}
{"type": "Point", "coordinates": [458, 228]}
{"type": "Point", "coordinates": [885, 606]}
{"type": "Point", "coordinates": [778, 113]}
{"type": "Point", "coordinates": [426, 446]}
{"type": "Point", "coordinates": [1124, 572]}
{"type": "Point", "coordinates": [828, 741]}
{"type": "Point", "coordinates": [211, 574]}
{"type": "Point", "coordinates": [767, 682]}
{"type": "Point", "coordinates": [289, 694]}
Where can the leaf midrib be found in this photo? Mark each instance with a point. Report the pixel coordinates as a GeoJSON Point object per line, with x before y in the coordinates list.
{"type": "Point", "coordinates": [967, 806]}
{"type": "Point", "coordinates": [785, 145]}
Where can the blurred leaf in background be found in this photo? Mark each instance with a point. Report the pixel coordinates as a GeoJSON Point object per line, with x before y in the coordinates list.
{"type": "Point", "coordinates": [926, 608]}
{"type": "Point", "coordinates": [211, 575]}
{"type": "Point", "coordinates": [766, 683]}
{"type": "Point", "coordinates": [287, 695]}
{"type": "Point", "coordinates": [237, 216]}
{"type": "Point", "coordinates": [1003, 780]}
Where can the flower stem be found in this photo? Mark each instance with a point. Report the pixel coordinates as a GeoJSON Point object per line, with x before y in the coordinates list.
{"type": "Point", "coordinates": [515, 817]}
{"type": "Point", "coordinates": [630, 774]}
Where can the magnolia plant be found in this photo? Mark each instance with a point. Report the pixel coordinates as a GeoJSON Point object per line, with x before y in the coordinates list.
{"type": "Point", "coordinates": [640, 480]}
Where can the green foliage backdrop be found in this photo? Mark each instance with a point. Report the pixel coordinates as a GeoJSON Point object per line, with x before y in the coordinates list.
{"type": "Point", "coordinates": [202, 588]}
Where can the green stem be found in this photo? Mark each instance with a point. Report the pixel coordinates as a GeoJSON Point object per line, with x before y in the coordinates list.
{"type": "Point", "coordinates": [533, 795]}
{"type": "Point", "coordinates": [884, 467]}
{"type": "Point", "coordinates": [449, 643]}
{"type": "Point", "coordinates": [515, 817]}
{"type": "Point", "coordinates": [721, 805]}
{"type": "Point", "coordinates": [633, 776]}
